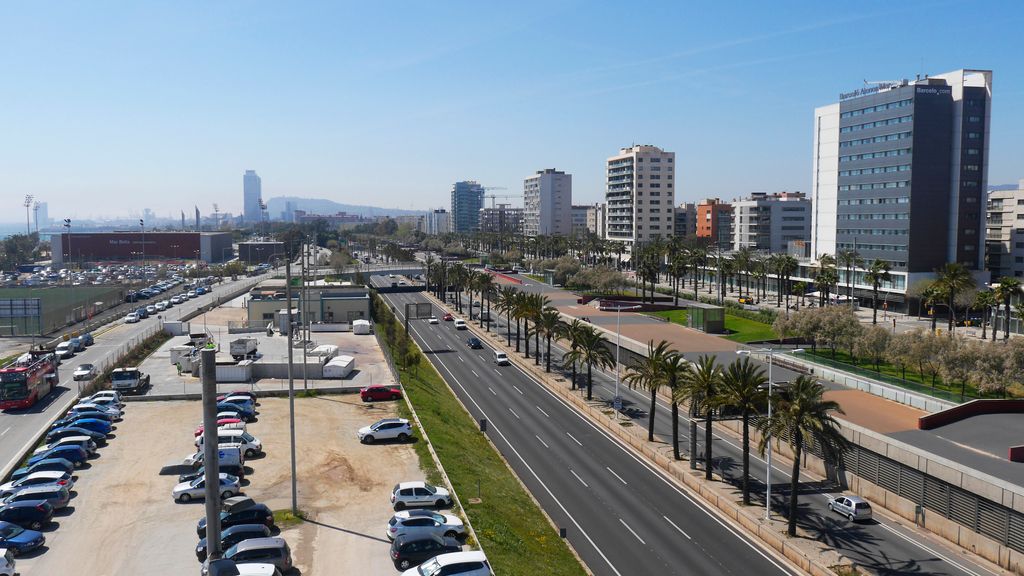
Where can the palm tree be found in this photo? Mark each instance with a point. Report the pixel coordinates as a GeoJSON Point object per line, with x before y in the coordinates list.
{"type": "Point", "coordinates": [519, 313]}
{"type": "Point", "coordinates": [1007, 289]}
{"type": "Point", "coordinates": [743, 259]}
{"type": "Point", "coordinates": [803, 417]}
{"type": "Point", "coordinates": [701, 388]}
{"type": "Point", "coordinates": [538, 303]}
{"type": "Point", "coordinates": [954, 278]}
{"type": "Point", "coordinates": [485, 286]}
{"type": "Point", "coordinates": [428, 262]}
{"type": "Point", "coordinates": [571, 332]}
{"type": "Point", "coordinates": [742, 389]}
{"type": "Point", "coordinates": [506, 303]}
{"type": "Point", "coordinates": [984, 301]}
{"type": "Point", "coordinates": [787, 267]}
{"type": "Point", "coordinates": [676, 368]}
{"type": "Point", "coordinates": [877, 273]}
{"type": "Point", "coordinates": [591, 349]}
{"type": "Point", "coordinates": [550, 324]}
{"type": "Point", "coordinates": [649, 375]}
{"type": "Point", "coordinates": [849, 259]}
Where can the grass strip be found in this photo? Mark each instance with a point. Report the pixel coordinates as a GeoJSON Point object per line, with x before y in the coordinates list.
{"type": "Point", "coordinates": [739, 329]}
{"type": "Point", "coordinates": [284, 519]}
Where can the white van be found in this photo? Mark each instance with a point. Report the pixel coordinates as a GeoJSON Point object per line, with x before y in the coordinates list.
{"type": "Point", "coordinates": [500, 358]}
{"type": "Point", "coordinates": [228, 455]}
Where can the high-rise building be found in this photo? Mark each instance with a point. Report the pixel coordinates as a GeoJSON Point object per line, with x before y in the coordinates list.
{"type": "Point", "coordinates": [714, 221]}
{"type": "Point", "coordinates": [685, 220]}
{"type": "Point", "coordinates": [579, 219]}
{"type": "Point", "coordinates": [252, 195]}
{"type": "Point", "coordinates": [436, 222]}
{"type": "Point", "coordinates": [547, 203]}
{"type": "Point", "coordinates": [467, 200]}
{"type": "Point", "coordinates": [502, 219]}
{"type": "Point", "coordinates": [42, 211]}
{"type": "Point", "coordinates": [1004, 239]}
{"type": "Point", "coordinates": [640, 194]}
{"type": "Point", "coordinates": [597, 216]}
{"type": "Point", "coordinates": [899, 171]}
{"type": "Point", "coordinates": [770, 222]}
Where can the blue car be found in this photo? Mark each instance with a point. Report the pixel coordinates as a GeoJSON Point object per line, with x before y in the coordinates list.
{"type": "Point", "coordinates": [87, 339]}
{"type": "Point", "coordinates": [58, 433]}
{"type": "Point", "coordinates": [95, 424]}
{"type": "Point", "coordinates": [19, 540]}
{"type": "Point", "coordinates": [61, 464]}
{"type": "Point", "coordinates": [247, 412]}
{"type": "Point", "coordinates": [33, 514]}
{"type": "Point", "coordinates": [74, 454]}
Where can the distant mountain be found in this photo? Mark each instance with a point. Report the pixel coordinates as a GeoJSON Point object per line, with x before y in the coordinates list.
{"type": "Point", "coordinates": [275, 206]}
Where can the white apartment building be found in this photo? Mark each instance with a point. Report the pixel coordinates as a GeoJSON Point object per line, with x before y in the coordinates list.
{"type": "Point", "coordinates": [436, 222]}
{"type": "Point", "coordinates": [640, 194]}
{"type": "Point", "coordinates": [1004, 232]}
{"type": "Point", "coordinates": [547, 203]}
{"type": "Point", "coordinates": [579, 219]}
{"type": "Point", "coordinates": [770, 222]}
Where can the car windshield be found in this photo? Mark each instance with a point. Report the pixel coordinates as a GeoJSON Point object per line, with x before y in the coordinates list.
{"type": "Point", "coordinates": [247, 437]}
{"type": "Point", "coordinates": [430, 568]}
{"type": "Point", "coordinates": [85, 367]}
{"type": "Point", "coordinates": [430, 488]}
{"type": "Point", "coordinates": [438, 518]}
{"type": "Point", "coordinates": [9, 531]}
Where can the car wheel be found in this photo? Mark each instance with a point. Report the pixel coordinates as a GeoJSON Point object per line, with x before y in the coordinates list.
{"type": "Point", "coordinates": [367, 439]}
{"type": "Point", "coordinates": [440, 503]}
{"type": "Point", "coordinates": [395, 396]}
{"type": "Point", "coordinates": [36, 525]}
{"type": "Point", "coordinates": [451, 534]}
{"type": "Point", "coordinates": [185, 498]}
{"type": "Point", "coordinates": [404, 564]}
{"type": "Point", "coordinates": [403, 437]}
{"type": "Point", "coordinates": [399, 505]}
{"type": "Point", "coordinates": [830, 509]}
{"type": "Point", "coordinates": [227, 494]}
{"type": "Point", "coordinates": [250, 453]}
{"type": "Point", "coordinates": [852, 517]}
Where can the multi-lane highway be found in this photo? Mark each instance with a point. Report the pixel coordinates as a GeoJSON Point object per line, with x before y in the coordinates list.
{"type": "Point", "coordinates": [625, 517]}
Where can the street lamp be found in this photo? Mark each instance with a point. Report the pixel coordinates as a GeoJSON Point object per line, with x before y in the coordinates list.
{"type": "Point", "coordinates": [770, 353]}
{"type": "Point", "coordinates": [67, 226]}
{"type": "Point", "coordinates": [617, 402]}
{"type": "Point", "coordinates": [142, 226]}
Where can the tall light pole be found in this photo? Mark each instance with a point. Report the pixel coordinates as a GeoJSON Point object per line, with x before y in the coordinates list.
{"type": "Point", "coordinates": [770, 353]}
{"type": "Point", "coordinates": [67, 226]}
{"type": "Point", "coordinates": [142, 226]}
{"type": "Point", "coordinates": [617, 402]}
{"type": "Point", "coordinates": [28, 204]}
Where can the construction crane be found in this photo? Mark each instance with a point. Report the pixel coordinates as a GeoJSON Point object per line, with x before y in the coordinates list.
{"type": "Point", "coordinates": [494, 196]}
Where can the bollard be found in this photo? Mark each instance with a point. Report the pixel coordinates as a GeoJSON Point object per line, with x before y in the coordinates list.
{"type": "Point", "coordinates": [483, 425]}
{"type": "Point", "coordinates": [561, 533]}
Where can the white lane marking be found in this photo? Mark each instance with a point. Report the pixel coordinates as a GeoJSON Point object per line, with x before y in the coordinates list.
{"type": "Point", "coordinates": [573, 472]}
{"type": "Point", "coordinates": [633, 532]}
{"type": "Point", "coordinates": [930, 551]}
{"type": "Point", "coordinates": [498, 371]}
{"type": "Point", "coordinates": [677, 528]}
{"type": "Point", "coordinates": [460, 358]}
{"type": "Point", "coordinates": [474, 372]}
{"type": "Point", "coordinates": [543, 412]}
{"type": "Point", "coordinates": [574, 439]}
{"type": "Point", "coordinates": [482, 358]}
{"type": "Point", "coordinates": [5, 431]}
{"type": "Point", "coordinates": [517, 389]}
{"type": "Point", "coordinates": [542, 441]}
{"type": "Point", "coordinates": [514, 414]}
{"type": "Point", "coordinates": [492, 390]}
{"type": "Point", "coordinates": [616, 475]}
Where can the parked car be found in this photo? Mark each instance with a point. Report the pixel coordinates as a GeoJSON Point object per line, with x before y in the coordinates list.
{"type": "Point", "coordinates": [87, 444]}
{"type": "Point", "coordinates": [386, 429]}
{"type": "Point", "coordinates": [60, 464]}
{"type": "Point", "coordinates": [255, 514]}
{"type": "Point", "coordinates": [473, 563]}
{"type": "Point", "coordinates": [107, 408]}
{"type": "Point", "coordinates": [237, 470]}
{"type": "Point", "coordinates": [262, 551]}
{"type": "Point", "coordinates": [196, 489]}
{"type": "Point", "coordinates": [87, 339]}
{"type": "Point", "coordinates": [424, 522]}
{"type": "Point", "coordinates": [7, 562]}
{"type": "Point", "coordinates": [31, 514]}
{"type": "Point", "coordinates": [251, 446]}
{"type": "Point", "coordinates": [58, 433]}
{"type": "Point", "coordinates": [233, 535]}
{"type": "Point", "coordinates": [78, 421]}
{"type": "Point", "coordinates": [251, 396]}
{"type": "Point", "coordinates": [131, 318]}
{"type": "Point", "coordinates": [853, 507]}
{"type": "Point", "coordinates": [84, 372]}
{"type": "Point", "coordinates": [104, 395]}
{"type": "Point", "coordinates": [224, 424]}
{"type": "Point", "coordinates": [74, 454]}
{"type": "Point", "coordinates": [474, 343]}
{"type": "Point", "coordinates": [54, 495]}
{"type": "Point", "coordinates": [107, 404]}
{"type": "Point", "coordinates": [18, 539]}
{"type": "Point", "coordinates": [408, 551]}
{"type": "Point", "coordinates": [245, 413]}
{"type": "Point", "coordinates": [416, 494]}
{"type": "Point", "coordinates": [372, 393]}
{"type": "Point", "coordinates": [43, 478]}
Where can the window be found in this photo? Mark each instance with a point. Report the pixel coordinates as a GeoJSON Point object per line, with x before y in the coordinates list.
{"type": "Point", "coordinates": [974, 118]}
{"type": "Point", "coordinates": [973, 151]}
{"type": "Point", "coordinates": [972, 167]}
{"type": "Point", "coordinates": [878, 108]}
{"type": "Point", "coordinates": [973, 135]}
{"type": "Point", "coordinates": [879, 123]}
{"type": "Point", "coordinates": [876, 139]}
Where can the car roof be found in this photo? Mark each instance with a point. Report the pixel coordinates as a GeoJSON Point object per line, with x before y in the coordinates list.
{"type": "Point", "coordinates": [414, 484]}
{"type": "Point", "coordinates": [47, 474]}
{"type": "Point", "coordinates": [38, 489]}
{"type": "Point", "coordinates": [418, 512]}
{"type": "Point", "coordinates": [268, 542]}
{"type": "Point", "coordinates": [456, 557]}
{"type": "Point", "coordinates": [856, 499]}
{"type": "Point", "coordinates": [243, 528]}
{"type": "Point", "coordinates": [402, 539]}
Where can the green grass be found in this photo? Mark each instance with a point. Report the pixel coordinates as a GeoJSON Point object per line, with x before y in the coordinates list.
{"type": "Point", "coordinates": [889, 373]}
{"type": "Point", "coordinates": [740, 329]}
{"type": "Point", "coordinates": [676, 316]}
{"type": "Point", "coordinates": [284, 519]}
{"type": "Point", "coordinates": [536, 277]}
{"type": "Point", "coordinates": [512, 530]}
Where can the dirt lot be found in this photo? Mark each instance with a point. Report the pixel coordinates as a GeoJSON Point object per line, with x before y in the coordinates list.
{"type": "Point", "coordinates": [123, 520]}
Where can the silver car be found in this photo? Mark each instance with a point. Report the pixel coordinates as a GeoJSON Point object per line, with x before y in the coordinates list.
{"type": "Point", "coordinates": [853, 507]}
{"type": "Point", "coordinates": [196, 489]}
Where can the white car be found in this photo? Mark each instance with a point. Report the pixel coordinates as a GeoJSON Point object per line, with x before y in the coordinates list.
{"type": "Point", "coordinates": [151, 309]}
{"type": "Point", "coordinates": [131, 318]}
{"type": "Point", "coordinates": [422, 523]}
{"type": "Point", "coordinates": [196, 489]}
{"type": "Point", "coordinates": [250, 444]}
{"type": "Point", "coordinates": [43, 478]}
{"type": "Point", "coordinates": [64, 350]}
{"type": "Point", "coordinates": [226, 415]}
{"type": "Point", "coordinates": [386, 429]}
{"type": "Point", "coordinates": [161, 306]}
{"type": "Point", "coordinates": [432, 320]}
{"type": "Point", "coordinates": [460, 324]}
{"type": "Point", "coordinates": [104, 395]}
{"type": "Point", "coordinates": [84, 441]}
{"type": "Point", "coordinates": [84, 372]}
{"type": "Point", "coordinates": [192, 294]}
{"type": "Point", "coordinates": [415, 494]}
{"type": "Point", "coordinates": [473, 563]}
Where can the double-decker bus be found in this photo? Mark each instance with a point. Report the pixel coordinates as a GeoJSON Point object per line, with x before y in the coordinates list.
{"type": "Point", "coordinates": [28, 379]}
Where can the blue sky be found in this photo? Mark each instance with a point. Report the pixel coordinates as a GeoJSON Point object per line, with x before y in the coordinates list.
{"type": "Point", "coordinates": [112, 107]}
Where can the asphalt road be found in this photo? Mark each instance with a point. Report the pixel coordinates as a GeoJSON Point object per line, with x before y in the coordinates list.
{"type": "Point", "coordinates": [622, 515]}
{"type": "Point", "coordinates": [882, 545]}
{"type": "Point", "coordinates": [20, 427]}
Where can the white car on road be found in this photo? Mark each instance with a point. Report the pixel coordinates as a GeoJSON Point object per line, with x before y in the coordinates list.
{"type": "Point", "coordinates": [196, 489]}
{"type": "Point", "coordinates": [460, 324]}
{"type": "Point", "coordinates": [131, 318]}
{"type": "Point", "coordinates": [432, 320]}
{"type": "Point", "coordinates": [853, 507]}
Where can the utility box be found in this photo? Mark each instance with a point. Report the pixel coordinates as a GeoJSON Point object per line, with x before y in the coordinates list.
{"type": "Point", "coordinates": [706, 317]}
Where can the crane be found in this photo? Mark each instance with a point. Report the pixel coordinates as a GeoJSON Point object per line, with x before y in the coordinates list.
{"type": "Point", "coordinates": [495, 196]}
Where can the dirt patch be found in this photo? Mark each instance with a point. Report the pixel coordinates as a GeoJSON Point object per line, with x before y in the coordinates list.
{"type": "Point", "coordinates": [875, 413]}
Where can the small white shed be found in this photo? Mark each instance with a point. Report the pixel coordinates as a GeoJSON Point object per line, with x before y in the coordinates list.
{"type": "Point", "coordinates": [360, 326]}
{"type": "Point", "coordinates": [339, 367]}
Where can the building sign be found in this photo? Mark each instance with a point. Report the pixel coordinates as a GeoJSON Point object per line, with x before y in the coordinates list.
{"type": "Point", "coordinates": [870, 90]}
{"type": "Point", "coordinates": [938, 90]}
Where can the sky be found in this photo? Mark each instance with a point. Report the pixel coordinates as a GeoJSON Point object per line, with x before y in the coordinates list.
{"type": "Point", "coordinates": [112, 107]}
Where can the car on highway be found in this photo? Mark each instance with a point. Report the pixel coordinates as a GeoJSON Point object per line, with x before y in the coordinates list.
{"type": "Point", "coordinates": [409, 551]}
{"type": "Point", "coordinates": [55, 495]}
{"type": "Point", "coordinates": [19, 540]}
{"type": "Point", "coordinates": [424, 522]}
{"type": "Point", "coordinates": [58, 433]}
{"type": "Point", "coordinates": [84, 372]}
{"type": "Point", "coordinates": [501, 359]}
{"type": "Point", "coordinates": [46, 477]}
{"type": "Point", "coordinates": [386, 429]}
{"type": "Point", "coordinates": [233, 535]}
{"type": "Point", "coordinates": [460, 324]}
{"type": "Point", "coordinates": [254, 514]}
{"type": "Point", "coordinates": [224, 424]}
{"type": "Point", "coordinates": [853, 507]}
{"type": "Point", "coordinates": [472, 563]}
{"type": "Point", "coordinates": [448, 317]}
{"type": "Point", "coordinates": [474, 343]}
{"type": "Point", "coordinates": [131, 318]}
{"type": "Point", "coordinates": [196, 489]}
{"type": "Point", "coordinates": [87, 339]}
{"type": "Point", "coordinates": [374, 393]}
{"type": "Point", "coordinates": [60, 464]}
{"type": "Point", "coordinates": [415, 494]}
{"type": "Point", "coordinates": [31, 514]}
{"type": "Point", "coordinates": [432, 320]}
{"type": "Point", "coordinates": [74, 454]}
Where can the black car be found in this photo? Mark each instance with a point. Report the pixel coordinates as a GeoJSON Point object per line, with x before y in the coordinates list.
{"type": "Point", "coordinates": [59, 433]}
{"type": "Point", "coordinates": [474, 342]}
{"type": "Point", "coordinates": [409, 551]}
{"type": "Point", "coordinates": [233, 469]}
{"type": "Point", "coordinates": [47, 465]}
{"type": "Point", "coordinates": [31, 514]}
{"type": "Point", "coordinates": [233, 535]}
{"type": "Point", "coordinates": [255, 514]}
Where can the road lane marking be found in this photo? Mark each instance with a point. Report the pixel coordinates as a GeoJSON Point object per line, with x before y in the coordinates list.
{"type": "Point", "coordinates": [631, 531]}
{"type": "Point", "coordinates": [542, 441]}
{"type": "Point", "coordinates": [492, 390]}
{"type": "Point", "coordinates": [460, 358]}
{"type": "Point", "coordinates": [930, 551]}
{"type": "Point", "coordinates": [514, 414]}
{"type": "Point", "coordinates": [474, 372]}
{"type": "Point", "coordinates": [574, 439]}
{"type": "Point", "coordinates": [498, 371]}
{"type": "Point", "coordinates": [5, 431]}
{"type": "Point", "coordinates": [616, 475]}
{"type": "Point", "coordinates": [543, 412]}
{"type": "Point", "coordinates": [578, 478]}
{"type": "Point", "coordinates": [677, 528]}
{"type": "Point", "coordinates": [517, 389]}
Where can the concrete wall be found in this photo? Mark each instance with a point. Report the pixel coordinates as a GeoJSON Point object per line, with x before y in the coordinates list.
{"type": "Point", "coordinates": [968, 409]}
{"type": "Point", "coordinates": [279, 370]}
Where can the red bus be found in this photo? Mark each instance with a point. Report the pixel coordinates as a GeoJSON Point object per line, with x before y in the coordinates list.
{"type": "Point", "coordinates": [29, 378]}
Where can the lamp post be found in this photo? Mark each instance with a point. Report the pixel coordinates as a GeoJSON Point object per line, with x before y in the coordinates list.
{"type": "Point", "coordinates": [770, 353]}
{"type": "Point", "coordinates": [617, 402]}
{"type": "Point", "coordinates": [142, 226]}
{"type": "Point", "coordinates": [67, 226]}
{"type": "Point", "coordinates": [28, 205]}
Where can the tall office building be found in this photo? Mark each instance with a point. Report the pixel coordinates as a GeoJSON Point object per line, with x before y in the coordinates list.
{"type": "Point", "coordinates": [640, 194]}
{"type": "Point", "coordinates": [502, 219]}
{"type": "Point", "coordinates": [685, 220]}
{"type": "Point", "coordinates": [769, 222]}
{"type": "Point", "coordinates": [42, 213]}
{"type": "Point", "coordinates": [252, 194]}
{"type": "Point", "coordinates": [899, 172]}
{"type": "Point", "coordinates": [467, 200]}
{"type": "Point", "coordinates": [547, 203]}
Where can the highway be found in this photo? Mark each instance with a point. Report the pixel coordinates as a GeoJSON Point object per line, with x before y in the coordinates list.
{"type": "Point", "coordinates": [882, 545]}
{"type": "Point", "coordinates": [622, 515]}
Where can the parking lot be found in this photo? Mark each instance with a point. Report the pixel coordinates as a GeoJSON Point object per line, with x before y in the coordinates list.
{"type": "Point", "coordinates": [122, 519]}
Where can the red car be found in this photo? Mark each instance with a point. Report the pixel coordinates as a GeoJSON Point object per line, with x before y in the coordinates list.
{"type": "Point", "coordinates": [371, 393]}
{"type": "Point", "coordinates": [222, 422]}
{"type": "Point", "coordinates": [448, 317]}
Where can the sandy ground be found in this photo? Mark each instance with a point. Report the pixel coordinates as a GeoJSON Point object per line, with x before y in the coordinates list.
{"type": "Point", "coordinates": [874, 412]}
{"type": "Point", "coordinates": [123, 508]}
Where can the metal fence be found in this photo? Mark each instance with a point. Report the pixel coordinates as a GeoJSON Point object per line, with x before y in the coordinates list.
{"type": "Point", "coordinates": [922, 389]}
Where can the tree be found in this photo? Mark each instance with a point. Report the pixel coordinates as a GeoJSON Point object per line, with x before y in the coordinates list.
{"type": "Point", "coordinates": [803, 418]}
{"type": "Point", "coordinates": [954, 278]}
{"type": "Point", "coordinates": [591, 350]}
{"type": "Point", "coordinates": [985, 300]}
{"type": "Point", "coordinates": [506, 304]}
{"type": "Point", "coordinates": [485, 286]}
{"type": "Point", "coordinates": [838, 328]}
{"type": "Point", "coordinates": [1007, 289]}
{"type": "Point", "coordinates": [648, 374]}
{"type": "Point", "coordinates": [850, 260]}
{"type": "Point", "coordinates": [877, 273]}
{"type": "Point", "coordinates": [742, 389]}
{"type": "Point", "coordinates": [958, 363]}
{"type": "Point", "coordinates": [676, 368]}
{"type": "Point", "coordinates": [572, 332]}
{"type": "Point", "coordinates": [700, 388]}
{"type": "Point", "coordinates": [872, 344]}
{"type": "Point", "coordinates": [900, 351]}
{"type": "Point", "coordinates": [549, 323]}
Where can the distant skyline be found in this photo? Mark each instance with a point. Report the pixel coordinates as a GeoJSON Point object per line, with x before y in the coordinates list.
{"type": "Point", "coordinates": [114, 108]}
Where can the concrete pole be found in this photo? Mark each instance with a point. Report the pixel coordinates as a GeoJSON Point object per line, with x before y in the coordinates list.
{"type": "Point", "coordinates": [693, 444]}
{"type": "Point", "coordinates": [291, 380]}
{"type": "Point", "coordinates": [305, 315]}
{"type": "Point", "coordinates": [210, 458]}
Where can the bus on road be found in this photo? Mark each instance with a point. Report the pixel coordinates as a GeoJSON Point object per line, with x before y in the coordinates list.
{"type": "Point", "coordinates": [27, 379]}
